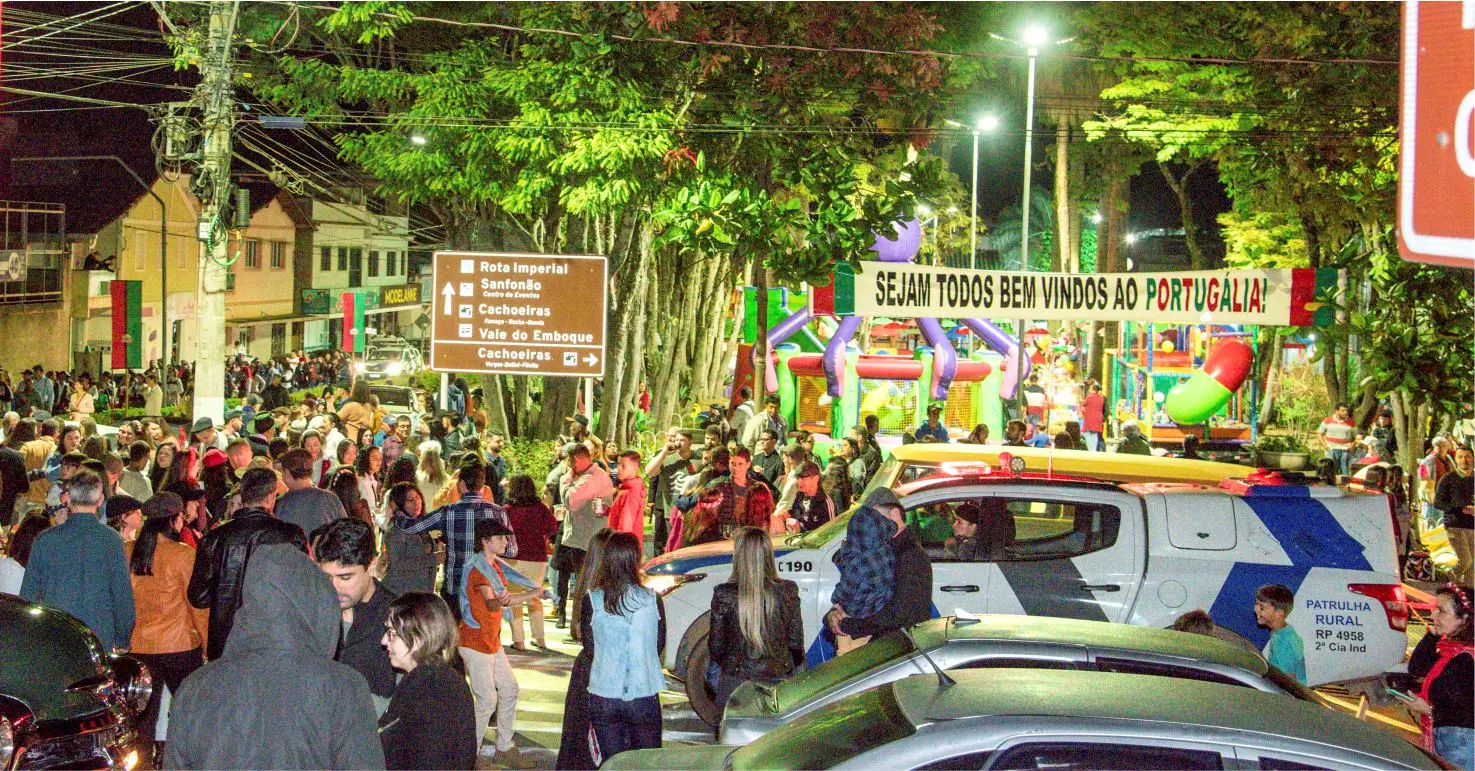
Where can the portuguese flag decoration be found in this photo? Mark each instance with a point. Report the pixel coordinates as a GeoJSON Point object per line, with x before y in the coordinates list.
{"type": "Point", "coordinates": [127, 324]}
{"type": "Point", "coordinates": [353, 323]}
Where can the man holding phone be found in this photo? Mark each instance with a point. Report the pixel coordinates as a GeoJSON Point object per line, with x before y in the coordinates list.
{"type": "Point", "coordinates": [669, 468]}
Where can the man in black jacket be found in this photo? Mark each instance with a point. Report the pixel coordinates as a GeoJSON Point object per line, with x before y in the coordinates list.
{"type": "Point", "coordinates": [220, 565]}
{"type": "Point", "coordinates": [275, 395]}
{"type": "Point", "coordinates": [345, 551]}
{"type": "Point", "coordinates": [911, 599]}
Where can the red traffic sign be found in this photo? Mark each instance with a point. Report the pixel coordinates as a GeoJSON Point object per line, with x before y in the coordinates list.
{"type": "Point", "coordinates": [1436, 185]}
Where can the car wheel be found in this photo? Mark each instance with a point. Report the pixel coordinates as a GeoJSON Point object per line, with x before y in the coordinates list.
{"type": "Point", "coordinates": [698, 692]}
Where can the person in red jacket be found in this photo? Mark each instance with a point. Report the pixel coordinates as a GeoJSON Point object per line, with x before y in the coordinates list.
{"type": "Point", "coordinates": [627, 512]}
{"type": "Point", "coordinates": [1093, 417]}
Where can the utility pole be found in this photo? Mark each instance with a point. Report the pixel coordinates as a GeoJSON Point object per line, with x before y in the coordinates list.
{"type": "Point", "coordinates": [213, 189]}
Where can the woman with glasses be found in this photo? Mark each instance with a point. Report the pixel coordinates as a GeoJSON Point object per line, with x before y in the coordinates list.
{"type": "Point", "coordinates": [431, 720]}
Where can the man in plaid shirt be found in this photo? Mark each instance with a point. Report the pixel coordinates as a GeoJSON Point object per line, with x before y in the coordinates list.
{"type": "Point", "coordinates": [458, 522]}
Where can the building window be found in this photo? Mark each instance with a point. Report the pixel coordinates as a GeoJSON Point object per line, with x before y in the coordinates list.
{"type": "Point", "coordinates": [389, 263]}
{"type": "Point", "coordinates": [373, 264]}
{"type": "Point", "coordinates": [278, 255]}
{"type": "Point", "coordinates": [343, 258]}
{"type": "Point", "coordinates": [253, 254]}
{"type": "Point", "coordinates": [325, 259]}
{"type": "Point", "coordinates": [230, 281]}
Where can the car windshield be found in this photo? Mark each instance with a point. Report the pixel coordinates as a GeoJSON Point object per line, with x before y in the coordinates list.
{"type": "Point", "coordinates": [387, 354]}
{"type": "Point", "coordinates": [392, 397]}
{"type": "Point", "coordinates": [891, 474]}
{"type": "Point", "coordinates": [805, 686]}
{"type": "Point", "coordinates": [831, 734]}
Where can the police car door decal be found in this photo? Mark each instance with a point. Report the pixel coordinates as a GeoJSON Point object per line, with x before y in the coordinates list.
{"type": "Point", "coordinates": [1311, 538]}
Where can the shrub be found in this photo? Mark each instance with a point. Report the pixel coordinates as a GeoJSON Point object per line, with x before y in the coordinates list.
{"type": "Point", "coordinates": [1290, 443]}
{"type": "Point", "coordinates": [533, 457]}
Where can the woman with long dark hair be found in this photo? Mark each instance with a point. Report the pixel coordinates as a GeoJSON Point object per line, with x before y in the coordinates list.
{"type": "Point", "coordinates": [574, 749]}
{"type": "Point", "coordinates": [370, 463]}
{"type": "Point", "coordinates": [169, 634]}
{"type": "Point", "coordinates": [163, 460]}
{"type": "Point", "coordinates": [411, 556]}
{"type": "Point", "coordinates": [627, 625]}
{"type": "Point", "coordinates": [345, 485]}
{"type": "Point", "coordinates": [215, 477]}
{"type": "Point", "coordinates": [757, 632]}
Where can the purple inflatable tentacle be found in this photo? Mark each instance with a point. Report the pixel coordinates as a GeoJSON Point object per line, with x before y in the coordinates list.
{"type": "Point", "coordinates": [1005, 345]}
{"type": "Point", "coordinates": [944, 357]}
{"type": "Point", "coordinates": [902, 248]}
{"type": "Point", "coordinates": [834, 360]}
{"type": "Point", "coordinates": [785, 329]}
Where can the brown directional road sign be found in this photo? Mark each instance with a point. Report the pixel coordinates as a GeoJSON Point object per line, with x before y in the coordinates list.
{"type": "Point", "coordinates": [518, 314]}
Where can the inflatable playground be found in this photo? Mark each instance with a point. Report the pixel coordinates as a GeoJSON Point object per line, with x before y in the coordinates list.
{"type": "Point", "coordinates": [831, 371]}
{"type": "Point", "coordinates": [1177, 380]}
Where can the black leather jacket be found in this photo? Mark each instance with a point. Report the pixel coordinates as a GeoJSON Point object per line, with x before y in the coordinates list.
{"type": "Point", "coordinates": [783, 636]}
{"type": "Point", "coordinates": [220, 566]}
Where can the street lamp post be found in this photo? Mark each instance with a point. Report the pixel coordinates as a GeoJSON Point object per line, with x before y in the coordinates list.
{"type": "Point", "coordinates": [983, 124]}
{"type": "Point", "coordinates": [1034, 38]}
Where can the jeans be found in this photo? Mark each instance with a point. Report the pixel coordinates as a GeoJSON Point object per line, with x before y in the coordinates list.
{"type": "Point", "coordinates": [1093, 440]}
{"type": "Point", "coordinates": [623, 725]}
{"type": "Point", "coordinates": [1343, 459]}
{"type": "Point", "coordinates": [569, 562]}
{"type": "Point", "coordinates": [494, 688]}
{"type": "Point", "coordinates": [1456, 744]}
{"type": "Point", "coordinates": [169, 669]}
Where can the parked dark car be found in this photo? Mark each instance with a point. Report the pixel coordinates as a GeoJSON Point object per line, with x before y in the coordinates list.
{"type": "Point", "coordinates": [65, 701]}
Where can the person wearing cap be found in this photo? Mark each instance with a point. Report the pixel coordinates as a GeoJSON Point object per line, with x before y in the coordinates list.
{"type": "Point", "coordinates": [234, 423]}
{"type": "Point", "coordinates": [226, 552]}
{"type": "Point", "coordinates": [458, 522]}
{"type": "Point", "coordinates": [266, 430]}
{"type": "Point", "coordinates": [885, 576]}
{"type": "Point", "coordinates": [196, 519]}
{"type": "Point", "coordinates": [169, 634]}
{"type": "Point", "coordinates": [123, 514]}
{"type": "Point", "coordinates": [79, 566]}
{"type": "Point", "coordinates": [206, 436]}
{"type": "Point", "coordinates": [933, 430]}
{"type": "Point", "coordinates": [811, 506]}
{"type": "Point", "coordinates": [483, 594]}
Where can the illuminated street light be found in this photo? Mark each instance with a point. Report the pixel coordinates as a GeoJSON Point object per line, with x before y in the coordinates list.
{"type": "Point", "coordinates": [1096, 218]}
{"type": "Point", "coordinates": [1036, 36]}
{"type": "Point", "coordinates": [417, 139]}
{"type": "Point", "coordinates": [987, 123]}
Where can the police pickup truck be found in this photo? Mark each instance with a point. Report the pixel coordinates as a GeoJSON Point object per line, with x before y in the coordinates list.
{"type": "Point", "coordinates": [1077, 547]}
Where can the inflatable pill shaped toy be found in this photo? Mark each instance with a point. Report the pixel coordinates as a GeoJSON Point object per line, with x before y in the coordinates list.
{"type": "Point", "coordinates": [1208, 390]}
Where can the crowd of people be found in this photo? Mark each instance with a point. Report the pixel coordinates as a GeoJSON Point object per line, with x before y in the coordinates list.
{"type": "Point", "coordinates": [349, 574]}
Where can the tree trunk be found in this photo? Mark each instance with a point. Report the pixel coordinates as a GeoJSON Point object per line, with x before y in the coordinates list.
{"type": "Point", "coordinates": [1179, 184]}
{"type": "Point", "coordinates": [495, 403]}
{"type": "Point", "coordinates": [523, 425]}
{"type": "Point", "coordinates": [560, 394]}
{"type": "Point", "coordinates": [1268, 375]}
{"type": "Point", "coordinates": [1114, 203]}
{"type": "Point", "coordinates": [1063, 222]}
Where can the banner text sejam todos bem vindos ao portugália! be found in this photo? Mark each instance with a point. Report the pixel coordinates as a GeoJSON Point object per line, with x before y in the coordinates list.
{"type": "Point", "coordinates": [1293, 297]}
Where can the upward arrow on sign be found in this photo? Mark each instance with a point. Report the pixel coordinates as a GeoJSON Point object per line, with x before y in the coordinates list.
{"type": "Point", "coordinates": [447, 292]}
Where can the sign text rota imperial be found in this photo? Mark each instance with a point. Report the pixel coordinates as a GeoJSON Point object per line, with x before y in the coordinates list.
{"type": "Point", "coordinates": [518, 314]}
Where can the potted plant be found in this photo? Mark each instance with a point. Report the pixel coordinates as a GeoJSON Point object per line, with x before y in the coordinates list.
{"type": "Point", "coordinates": [1287, 452]}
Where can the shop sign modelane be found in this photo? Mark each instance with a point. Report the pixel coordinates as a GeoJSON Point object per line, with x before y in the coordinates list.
{"type": "Point", "coordinates": [1294, 297]}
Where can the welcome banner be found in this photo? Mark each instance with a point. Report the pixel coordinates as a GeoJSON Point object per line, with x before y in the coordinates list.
{"type": "Point", "coordinates": [1294, 297]}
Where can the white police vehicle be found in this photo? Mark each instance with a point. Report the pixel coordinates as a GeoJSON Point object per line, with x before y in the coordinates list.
{"type": "Point", "coordinates": [1141, 553]}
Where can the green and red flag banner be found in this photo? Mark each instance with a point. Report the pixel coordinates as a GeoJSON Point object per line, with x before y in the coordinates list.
{"type": "Point", "coordinates": [1295, 297]}
{"type": "Point", "coordinates": [353, 323]}
{"type": "Point", "coordinates": [128, 340]}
